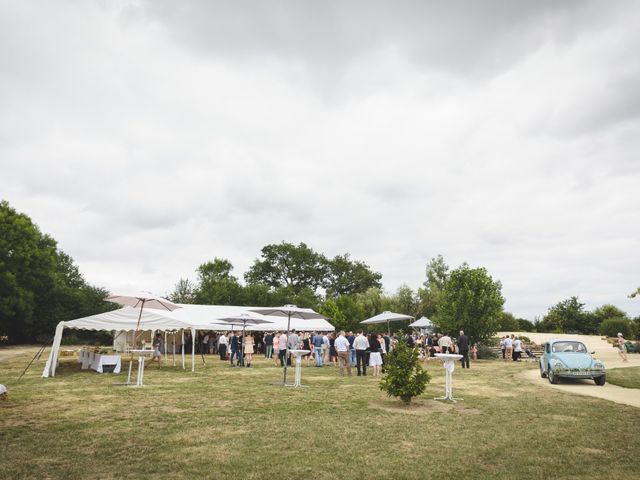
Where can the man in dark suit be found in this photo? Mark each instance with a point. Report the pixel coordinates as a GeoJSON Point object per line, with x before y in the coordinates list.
{"type": "Point", "coordinates": [463, 349]}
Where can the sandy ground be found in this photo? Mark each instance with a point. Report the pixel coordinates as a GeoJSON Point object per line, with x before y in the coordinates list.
{"type": "Point", "coordinates": [606, 353]}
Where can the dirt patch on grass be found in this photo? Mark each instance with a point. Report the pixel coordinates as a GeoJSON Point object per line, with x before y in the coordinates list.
{"type": "Point", "coordinates": [422, 407]}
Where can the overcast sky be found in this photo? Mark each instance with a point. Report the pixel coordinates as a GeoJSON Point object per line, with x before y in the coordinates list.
{"type": "Point", "coordinates": [150, 137]}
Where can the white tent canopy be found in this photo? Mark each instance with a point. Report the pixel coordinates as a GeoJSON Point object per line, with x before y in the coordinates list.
{"type": "Point", "coordinates": [189, 317]}
{"type": "Point", "coordinates": [422, 322]}
{"type": "Point", "coordinates": [205, 316]}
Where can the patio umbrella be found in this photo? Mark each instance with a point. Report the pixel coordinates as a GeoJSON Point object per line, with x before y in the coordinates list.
{"type": "Point", "coordinates": [386, 317]}
{"type": "Point", "coordinates": [141, 300]}
{"type": "Point", "coordinates": [244, 319]}
{"type": "Point", "coordinates": [288, 311]}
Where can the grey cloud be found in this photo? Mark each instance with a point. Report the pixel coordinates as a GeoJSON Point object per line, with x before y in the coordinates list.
{"type": "Point", "coordinates": [460, 37]}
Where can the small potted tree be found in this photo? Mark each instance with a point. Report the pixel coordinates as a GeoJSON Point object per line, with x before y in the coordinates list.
{"type": "Point", "coordinates": [404, 376]}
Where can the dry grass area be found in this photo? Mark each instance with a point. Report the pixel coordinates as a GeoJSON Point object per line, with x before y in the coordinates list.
{"type": "Point", "coordinates": [223, 422]}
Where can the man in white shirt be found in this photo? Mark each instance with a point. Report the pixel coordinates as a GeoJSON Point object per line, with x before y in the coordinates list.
{"type": "Point", "coordinates": [361, 344]}
{"type": "Point", "coordinates": [342, 347]}
{"type": "Point", "coordinates": [222, 346]}
{"type": "Point", "coordinates": [508, 347]}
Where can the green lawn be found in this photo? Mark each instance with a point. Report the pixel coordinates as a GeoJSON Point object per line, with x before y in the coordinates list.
{"type": "Point", "coordinates": [223, 422]}
{"type": "Point", "coordinates": [625, 377]}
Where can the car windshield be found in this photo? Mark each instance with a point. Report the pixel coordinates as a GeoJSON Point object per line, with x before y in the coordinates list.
{"type": "Point", "coordinates": [569, 347]}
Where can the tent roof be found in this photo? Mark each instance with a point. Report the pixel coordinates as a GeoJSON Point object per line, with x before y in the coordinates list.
{"type": "Point", "coordinates": [201, 317]}
{"type": "Point", "coordinates": [126, 319]}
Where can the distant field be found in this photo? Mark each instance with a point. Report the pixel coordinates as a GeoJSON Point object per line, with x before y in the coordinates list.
{"type": "Point", "coordinates": [223, 422]}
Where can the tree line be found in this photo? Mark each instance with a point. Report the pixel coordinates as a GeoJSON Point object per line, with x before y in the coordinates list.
{"type": "Point", "coordinates": [40, 285]}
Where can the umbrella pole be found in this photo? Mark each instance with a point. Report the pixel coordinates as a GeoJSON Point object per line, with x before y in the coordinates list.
{"type": "Point", "coordinates": [135, 334]}
{"type": "Point", "coordinates": [244, 325]}
{"type": "Point", "coordinates": [286, 351]}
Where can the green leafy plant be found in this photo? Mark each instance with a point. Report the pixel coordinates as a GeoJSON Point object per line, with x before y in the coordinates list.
{"type": "Point", "coordinates": [404, 377]}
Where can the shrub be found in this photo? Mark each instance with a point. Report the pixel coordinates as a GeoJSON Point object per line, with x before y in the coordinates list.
{"type": "Point", "coordinates": [485, 352]}
{"type": "Point", "coordinates": [404, 375]}
{"type": "Point", "coordinates": [612, 326]}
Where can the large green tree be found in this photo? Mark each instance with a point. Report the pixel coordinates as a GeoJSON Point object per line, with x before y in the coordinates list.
{"type": "Point", "coordinates": [437, 273]}
{"type": "Point", "coordinates": [472, 301]}
{"type": "Point", "coordinates": [346, 276]}
{"type": "Point", "coordinates": [216, 284]}
{"type": "Point", "coordinates": [297, 267]}
{"type": "Point", "coordinates": [567, 316]}
{"type": "Point", "coordinates": [39, 284]}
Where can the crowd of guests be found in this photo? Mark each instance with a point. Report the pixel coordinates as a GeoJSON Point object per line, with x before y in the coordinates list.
{"type": "Point", "coordinates": [342, 349]}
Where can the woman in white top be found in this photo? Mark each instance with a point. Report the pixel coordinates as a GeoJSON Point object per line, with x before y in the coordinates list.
{"type": "Point", "coordinates": [375, 359]}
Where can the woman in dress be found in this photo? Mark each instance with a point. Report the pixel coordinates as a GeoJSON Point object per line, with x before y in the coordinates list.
{"type": "Point", "coordinates": [248, 349]}
{"type": "Point", "coordinates": [333, 353]}
{"type": "Point", "coordinates": [622, 348]}
{"type": "Point", "coordinates": [375, 358]}
{"type": "Point", "coordinates": [306, 345]}
{"type": "Point", "coordinates": [276, 347]}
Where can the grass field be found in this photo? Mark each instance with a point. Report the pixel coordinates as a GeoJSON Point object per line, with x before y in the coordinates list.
{"type": "Point", "coordinates": [223, 422]}
{"type": "Point", "coordinates": [625, 377]}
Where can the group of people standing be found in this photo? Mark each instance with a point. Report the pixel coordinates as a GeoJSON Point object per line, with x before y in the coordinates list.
{"type": "Point", "coordinates": [511, 348]}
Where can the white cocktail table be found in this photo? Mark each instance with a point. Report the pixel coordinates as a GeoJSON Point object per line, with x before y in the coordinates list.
{"type": "Point", "coordinates": [298, 354]}
{"type": "Point", "coordinates": [448, 362]}
{"type": "Point", "coordinates": [141, 354]}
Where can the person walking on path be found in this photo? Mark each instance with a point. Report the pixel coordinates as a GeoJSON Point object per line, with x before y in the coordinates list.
{"type": "Point", "coordinates": [361, 344]}
{"type": "Point", "coordinates": [463, 349]}
{"type": "Point", "coordinates": [342, 347]}
{"type": "Point", "coordinates": [622, 348]}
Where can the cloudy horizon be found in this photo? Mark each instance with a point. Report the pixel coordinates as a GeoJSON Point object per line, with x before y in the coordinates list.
{"type": "Point", "coordinates": [148, 137]}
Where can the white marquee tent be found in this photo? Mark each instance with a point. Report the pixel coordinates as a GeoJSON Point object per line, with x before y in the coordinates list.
{"type": "Point", "coordinates": [189, 317]}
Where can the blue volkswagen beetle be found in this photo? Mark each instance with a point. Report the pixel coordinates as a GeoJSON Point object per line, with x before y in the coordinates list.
{"type": "Point", "coordinates": [570, 359]}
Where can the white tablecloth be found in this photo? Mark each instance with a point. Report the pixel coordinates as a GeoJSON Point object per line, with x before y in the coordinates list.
{"type": "Point", "coordinates": [100, 360]}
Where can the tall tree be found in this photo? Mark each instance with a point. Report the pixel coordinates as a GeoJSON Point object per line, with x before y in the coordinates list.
{"type": "Point", "coordinates": [346, 276]}
{"type": "Point", "coordinates": [437, 273]}
{"type": "Point", "coordinates": [472, 301]}
{"type": "Point", "coordinates": [183, 292]}
{"type": "Point", "coordinates": [39, 284]}
{"type": "Point", "coordinates": [216, 284]}
{"type": "Point", "coordinates": [286, 265]}
{"type": "Point", "coordinates": [567, 316]}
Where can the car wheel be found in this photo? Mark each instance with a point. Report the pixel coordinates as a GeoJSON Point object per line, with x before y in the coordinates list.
{"type": "Point", "coordinates": [552, 377]}
{"type": "Point", "coordinates": [543, 374]}
{"type": "Point", "coordinates": [600, 380]}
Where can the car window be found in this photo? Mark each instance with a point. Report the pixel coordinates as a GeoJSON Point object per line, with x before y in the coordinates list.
{"type": "Point", "coordinates": [569, 347]}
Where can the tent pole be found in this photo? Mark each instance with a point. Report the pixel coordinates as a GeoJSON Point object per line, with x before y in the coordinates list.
{"type": "Point", "coordinates": [173, 337]}
{"type": "Point", "coordinates": [193, 350]}
{"type": "Point", "coordinates": [135, 334]}
{"type": "Point", "coordinates": [182, 350]}
{"type": "Point", "coordinates": [165, 349]}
